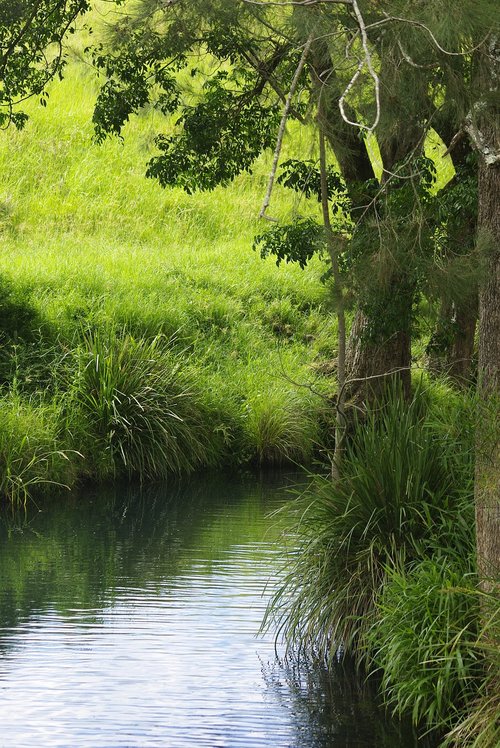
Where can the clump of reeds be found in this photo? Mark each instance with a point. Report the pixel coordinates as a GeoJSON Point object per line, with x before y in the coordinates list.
{"type": "Point", "coordinates": [402, 482]}
{"type": "Point", "coordinates": [133, 409]}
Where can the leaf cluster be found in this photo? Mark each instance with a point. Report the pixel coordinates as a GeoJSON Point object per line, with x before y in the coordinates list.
{"type": "Point", "coordinates": [297, 242]}
{"type": "Point", "coordinates": [226, 112]}
{"type": "Point", "coordinates": [31, 50]}
{"type": "Point", "coordinates": [220, 137]}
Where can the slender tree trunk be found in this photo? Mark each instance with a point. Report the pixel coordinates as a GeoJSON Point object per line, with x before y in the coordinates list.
{"type": "Point", "coordinates": [462, 348]}
{"type": "Point", "coordinates": [333, 244]}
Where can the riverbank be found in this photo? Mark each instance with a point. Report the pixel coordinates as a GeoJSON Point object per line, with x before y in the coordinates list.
{"type": "Point", "coordinates": [141, 337]}
{"type": "Point", "coordinates": [110, 284]}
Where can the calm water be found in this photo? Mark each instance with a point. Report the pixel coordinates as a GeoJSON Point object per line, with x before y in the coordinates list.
{"type": "Point", "coordinates": [130, 619]}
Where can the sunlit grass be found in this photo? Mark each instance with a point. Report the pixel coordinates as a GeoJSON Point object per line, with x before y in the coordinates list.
{"type": "Point", "coordinates": [89, 243]}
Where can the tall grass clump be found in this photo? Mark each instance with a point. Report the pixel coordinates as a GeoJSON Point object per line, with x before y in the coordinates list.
{"type": "Point", "coordinates": [426, 643]}
{"type": "Point", "coordinates": [282, 428]}
{"type": "Point", "coordinates": [405, 487]}
{"type": "Point", "coordinates": [479, 723]}
{"type": "Point", "coordinates": [132, 408]}
{"type": "Point", "coordinates": [436, 644]}
{"type": "Point", "coordinates": [30, 450]}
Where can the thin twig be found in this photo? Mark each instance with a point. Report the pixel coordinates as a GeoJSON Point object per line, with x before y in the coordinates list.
{"type": "Point", "coordinates": [281, 131]}
{"type": "Point", "coordinates": [367, 61]}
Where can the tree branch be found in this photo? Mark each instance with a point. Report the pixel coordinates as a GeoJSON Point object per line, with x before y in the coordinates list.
{"type": "Point", "coordinates": [367, 61]}
{"type": "Point", "coordinates": [281, 131]}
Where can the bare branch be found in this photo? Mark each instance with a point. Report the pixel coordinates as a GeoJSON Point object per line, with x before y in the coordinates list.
{"type": "Point", "coordinates": [299, 2]}
{"type": "Point", "coordinates": [414, 64]}
{"type": "Point", "coordinates": [421, 25]}
{"type": "Point", "coordinates": [460, 135]}
{"type": "Point", "coordinates": [281, 131]}
{"type": "Point", "coordinates": [366, 61]}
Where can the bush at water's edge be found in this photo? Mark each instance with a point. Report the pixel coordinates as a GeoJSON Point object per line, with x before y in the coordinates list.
{"type": "Point", "coordinates": [382, 567]}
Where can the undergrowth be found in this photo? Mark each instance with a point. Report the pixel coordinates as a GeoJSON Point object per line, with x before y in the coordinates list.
{"type": "Point", "coordinates": [382, 568]}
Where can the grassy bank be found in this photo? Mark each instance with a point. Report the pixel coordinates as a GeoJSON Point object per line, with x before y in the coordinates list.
{"type": "Point", "coordinates": [382, 568]}
{"type": "Point", "coordinates": [122, 302]}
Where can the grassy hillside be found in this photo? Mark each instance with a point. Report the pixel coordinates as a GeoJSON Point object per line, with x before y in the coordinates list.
{"type": "Point", "coordinates": [94, 255]}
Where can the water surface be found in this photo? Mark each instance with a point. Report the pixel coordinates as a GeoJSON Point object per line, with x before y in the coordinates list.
{"type": "Point", "coordinates": [128, 617]}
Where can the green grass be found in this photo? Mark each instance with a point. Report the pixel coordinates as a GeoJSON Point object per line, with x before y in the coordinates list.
{"type": "Point", "coordinates": [404, 491]}
{"type": "Point", "coordinates": [90, 244]}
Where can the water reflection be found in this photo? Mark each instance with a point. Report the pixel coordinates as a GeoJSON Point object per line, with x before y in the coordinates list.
{"type": "Point", "coordinates": [128, 618]}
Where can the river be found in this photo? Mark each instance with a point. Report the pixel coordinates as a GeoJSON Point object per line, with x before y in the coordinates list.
{"type": "Point", "coordinates": [129, 618]}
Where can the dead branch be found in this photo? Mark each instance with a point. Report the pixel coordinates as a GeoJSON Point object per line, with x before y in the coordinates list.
{"type": "Point", "coordinates": [365, 62]}
{"type": "Point", "coordinates": [281, 131]}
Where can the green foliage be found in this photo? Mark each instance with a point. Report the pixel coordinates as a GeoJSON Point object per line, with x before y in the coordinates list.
{"type": "Point", "coordinates": [222, 136]}
{"type": "Point", "coordinates": [224, 117]}
{"type": "Point", "coordinates": [126, 263]}
{"type": "Point", "coordinates": [479, 722]}
{"type": "Point", "coordinates": [27, 29]}
{"type": "Point", "coordinates": [283, 428]}
{"type": "Point", "coordinates": [425, 640]}
{"type": "Point", "coordinates": [19, 318]}
{"type": "Point", "coordinates": [134, 408]}
{"type": "Point", "coordinates": [304, 177]}
{"type": "Point", "coordinates": [30, 454]}
{"type": "Point", "coordinates": [405, 488]}
{"type": "Point", "coordinates": [295, 242]}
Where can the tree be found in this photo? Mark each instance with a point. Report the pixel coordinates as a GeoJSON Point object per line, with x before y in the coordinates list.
{"type": "Point", "coordinates": [31, 50]}
{"type": "Point", "coordinates": [485, 134]}
{"type": "Point", "coordinates": [395, 68]}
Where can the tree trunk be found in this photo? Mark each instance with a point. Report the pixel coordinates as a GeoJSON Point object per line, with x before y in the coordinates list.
{"type": "Point", "coordinates": [462, 349]}
{"type": "Point", "coordinates": [370, 366]}
{"type": "Point", "coordinates": [487, 485]}
{"type": "Point", "coordinates": [485, 134]}
{"type": "Point", "coordinates": [452, 345]}
{"type": "Point", "coordinates": [380, 347]}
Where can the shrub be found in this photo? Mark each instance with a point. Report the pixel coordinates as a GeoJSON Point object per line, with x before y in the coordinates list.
{"type": "Point", "coordinates": [403, 485]}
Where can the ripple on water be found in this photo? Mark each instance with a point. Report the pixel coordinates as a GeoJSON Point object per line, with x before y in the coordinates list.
{"type": "Point", "coordinates": [138, 629]}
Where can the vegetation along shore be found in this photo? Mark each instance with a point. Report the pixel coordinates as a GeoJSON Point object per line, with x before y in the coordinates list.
{"type": "Point", "coordinates": [309, 275]}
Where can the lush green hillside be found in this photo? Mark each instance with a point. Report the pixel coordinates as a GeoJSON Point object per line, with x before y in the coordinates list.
{"type": "Point", "coordinates": [92, 248]}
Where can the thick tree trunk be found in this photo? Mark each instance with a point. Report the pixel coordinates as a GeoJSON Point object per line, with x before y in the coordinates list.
{"type": "Point", "coordinates": [485, 134]}
{"type": "Point", "coordinates": [371, 366]}
{"type": "Point", "coordinates": [452, 346]}
{"type": "Point", "coordinates": [379, 349]}
{"type": "Point", "coordinates": [487, 486]}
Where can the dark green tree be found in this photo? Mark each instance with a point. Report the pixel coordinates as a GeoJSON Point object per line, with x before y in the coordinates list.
{"type": "Point", "coordinates": [395, 68]}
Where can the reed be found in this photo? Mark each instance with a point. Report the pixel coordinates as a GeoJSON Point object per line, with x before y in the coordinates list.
{"type": "Point", "coordinates": [131, 408]}
{"type": "Point", "coordinates": [400, 494]}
